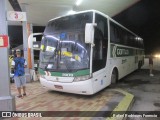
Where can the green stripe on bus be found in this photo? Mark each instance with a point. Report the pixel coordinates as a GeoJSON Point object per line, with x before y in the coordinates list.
{"type": "Point", "coordinates": [119, 51]}
{"type": "Point", "coordinates": [41, 71]}
{"type": "Point", "coordinates": [60, 74]}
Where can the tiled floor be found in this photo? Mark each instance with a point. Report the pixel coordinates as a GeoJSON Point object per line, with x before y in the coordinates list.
{"type": "Point", "coordinates": [40, 99]}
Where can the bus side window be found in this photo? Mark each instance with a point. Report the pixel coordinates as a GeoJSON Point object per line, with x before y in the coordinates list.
{"type": "Point", "coordinates": [115, 33]}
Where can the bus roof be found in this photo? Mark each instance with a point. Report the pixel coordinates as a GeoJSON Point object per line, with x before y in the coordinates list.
{"type": "Point", "coordinates": [79, 13]}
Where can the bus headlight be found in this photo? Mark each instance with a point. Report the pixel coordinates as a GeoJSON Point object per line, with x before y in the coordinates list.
{"type": "Point", "coordinates": [81, 78]}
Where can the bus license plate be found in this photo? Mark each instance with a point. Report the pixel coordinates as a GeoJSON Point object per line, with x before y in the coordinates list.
{"type": "Point", "coordinates": [58, 86]}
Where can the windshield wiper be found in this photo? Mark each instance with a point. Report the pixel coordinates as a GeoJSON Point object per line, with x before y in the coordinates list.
{"type": "Point", "coordinates": [54, 54]}
{"type": "Point", "coordinates": [66, 64]}
{"type": "Point", "coordinates": [57, 57]}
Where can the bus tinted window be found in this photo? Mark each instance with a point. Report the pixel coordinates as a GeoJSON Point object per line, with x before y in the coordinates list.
{"type": "Point", "coordinates": [119, 35]}
{"type": "Point", "coordinates": [69, 22]}
{"type": "Point", "coordinates": [100, 41]}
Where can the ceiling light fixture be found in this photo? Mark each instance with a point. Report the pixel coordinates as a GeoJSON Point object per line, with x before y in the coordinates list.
{"type": "Point", "coordinates": [78, 2]}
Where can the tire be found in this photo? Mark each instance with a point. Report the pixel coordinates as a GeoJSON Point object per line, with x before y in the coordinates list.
{"type": "Point", "coordinates": [114, 76]}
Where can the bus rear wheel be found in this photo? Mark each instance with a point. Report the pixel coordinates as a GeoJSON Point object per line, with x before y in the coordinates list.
{"type": "Point", "coordinates": [114, 76]}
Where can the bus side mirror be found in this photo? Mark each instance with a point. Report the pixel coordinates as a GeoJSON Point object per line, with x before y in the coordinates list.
{"type": "Point", "coordinates": [89, 32]}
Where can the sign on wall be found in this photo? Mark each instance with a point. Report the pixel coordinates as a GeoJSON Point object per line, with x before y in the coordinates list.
{"type": "Point", "coordinates": [3, 41]}
{"type": "Point", "coordinates": [16, 16]}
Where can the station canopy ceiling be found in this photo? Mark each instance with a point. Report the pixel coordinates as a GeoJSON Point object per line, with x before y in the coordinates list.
{"type": "Point", "coordinates": [39, 12]}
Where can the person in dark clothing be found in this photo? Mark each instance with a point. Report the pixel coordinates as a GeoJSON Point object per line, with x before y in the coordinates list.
{"type": "Point", "coordinates": [151, 65]}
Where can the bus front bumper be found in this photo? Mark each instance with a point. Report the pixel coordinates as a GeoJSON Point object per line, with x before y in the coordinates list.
{"type": "Point", "coordinates": [80, 87]}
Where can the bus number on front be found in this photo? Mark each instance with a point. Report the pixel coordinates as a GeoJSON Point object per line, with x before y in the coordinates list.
{"type": "Point", "coordinates": [67, 75]}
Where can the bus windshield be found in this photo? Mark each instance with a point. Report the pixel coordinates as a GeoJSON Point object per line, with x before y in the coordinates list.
{"type": "Point", "coordinates": [62, 47]}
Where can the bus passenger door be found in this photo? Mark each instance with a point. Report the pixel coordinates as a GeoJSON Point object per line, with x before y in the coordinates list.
{"type": "Point", "coordinates": [100, 53]}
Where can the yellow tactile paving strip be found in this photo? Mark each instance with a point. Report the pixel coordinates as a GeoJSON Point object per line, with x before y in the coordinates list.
{"type": "Point", "coordinates": [39, 99]}
{"type": "Point", "coordinates": [124, 104]}
{"type": "Point", "coordinates": [126, 101]}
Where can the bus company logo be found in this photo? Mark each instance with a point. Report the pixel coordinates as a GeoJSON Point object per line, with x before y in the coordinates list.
{"type": "Point", "coordinates": [117, 51]}
{"type": "Point", "coordinates": [122, 51]}
{"type": "Point", "coordinates": [114, 51]}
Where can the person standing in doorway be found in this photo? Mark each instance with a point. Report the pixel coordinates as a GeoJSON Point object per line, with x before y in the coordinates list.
{"type": "Point", "coordinates": [151, 65]}
{"type": "Point", "coordinates": [19, 63]}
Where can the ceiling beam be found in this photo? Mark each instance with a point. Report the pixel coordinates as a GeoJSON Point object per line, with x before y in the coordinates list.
{"type": "Point", "coordinates": [15, 5]}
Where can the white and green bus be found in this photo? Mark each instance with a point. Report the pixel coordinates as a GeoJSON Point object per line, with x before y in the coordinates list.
{"type": "Point", "coordinates": [87, 51]}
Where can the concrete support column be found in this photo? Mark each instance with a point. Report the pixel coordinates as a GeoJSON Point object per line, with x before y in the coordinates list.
{"type": "Point", "coordinates": [30, 31]}
{"type": "Point", "coordinates": [7, 102]}
{"type": "Point", "coordinates": [25, 44]}
{"type": "Point", "coordinates": [31, 54]}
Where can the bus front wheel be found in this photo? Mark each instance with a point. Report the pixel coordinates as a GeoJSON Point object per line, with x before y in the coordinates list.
{"type": "Point", "coordinates": [114, 76]}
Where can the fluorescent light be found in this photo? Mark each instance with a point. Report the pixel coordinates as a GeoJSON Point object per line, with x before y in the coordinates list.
{"type": "Point", "coordinates": [71, 12]}
{"type": "Point", "coordinates": [78, 2]}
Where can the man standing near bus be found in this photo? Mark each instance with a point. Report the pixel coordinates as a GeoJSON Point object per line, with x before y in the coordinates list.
{"type": "Point", "coordinates": [19, 63]}
{"type": "Point", "coordinates": [151, 65]}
